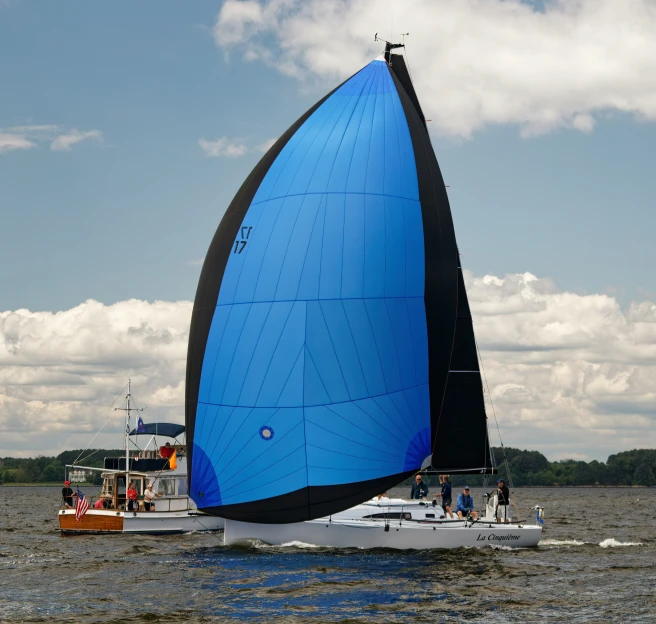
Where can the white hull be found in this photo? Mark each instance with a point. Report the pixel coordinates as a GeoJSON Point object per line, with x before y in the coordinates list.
{"type": "Point", "coordinates": [170, 522]}
{"type": "Point", "coordinates": [410, 525]}
{"type": "Point", "coordinates": [368, 534]}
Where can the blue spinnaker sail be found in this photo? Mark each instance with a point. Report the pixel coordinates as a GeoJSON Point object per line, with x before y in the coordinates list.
{"type": "Point", "coordinates": [308, 366]}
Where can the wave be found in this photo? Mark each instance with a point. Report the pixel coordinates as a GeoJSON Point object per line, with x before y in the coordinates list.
{"type": "Point", "coordinates": [554, 542]}
{"type": "Point", "coordinates": [294, 544]}
{"type": "Point", "coordinates": [612, 543]}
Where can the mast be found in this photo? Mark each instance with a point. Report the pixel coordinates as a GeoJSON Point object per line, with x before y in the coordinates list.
{"type": "Point", "coordinates": [127, 409]}
{"type": "Point", "coordinates": [127, 436]}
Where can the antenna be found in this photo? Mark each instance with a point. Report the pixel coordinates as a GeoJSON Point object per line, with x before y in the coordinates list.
{"type": "Point", "coordinates": [389, 46]}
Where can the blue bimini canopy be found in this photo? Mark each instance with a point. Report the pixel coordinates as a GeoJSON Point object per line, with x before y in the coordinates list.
{"type": "Point", "coordinates": [169, 430]}
{"type": "Point", "coordinates": [325, 316]}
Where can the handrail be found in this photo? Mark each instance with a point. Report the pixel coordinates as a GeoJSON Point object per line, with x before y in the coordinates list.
{"type": "Point", "coordinates": [92, 499]}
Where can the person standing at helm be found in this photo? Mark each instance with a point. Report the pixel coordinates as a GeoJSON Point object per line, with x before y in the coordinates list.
{"type": "Point", "coordinates": [419, 488]}
{"type": "Point", "coordinates": [446, 495]}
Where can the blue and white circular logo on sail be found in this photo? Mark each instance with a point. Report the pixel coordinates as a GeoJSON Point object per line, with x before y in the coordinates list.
{"type": "Point", "coordinates": [266, 433]}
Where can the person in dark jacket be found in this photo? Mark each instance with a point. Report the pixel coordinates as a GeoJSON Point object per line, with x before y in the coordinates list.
{"type": "Point", "coordinates": [67, 494]}
{"type": "Point", "coordinates": [446, 495]}
{"type": "Point", "coordinates": [503, 500]}
{"type": "Point", "coordinates": [419, 488]}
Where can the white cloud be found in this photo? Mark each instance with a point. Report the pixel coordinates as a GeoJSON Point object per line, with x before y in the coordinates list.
{"type": "Point", "coordinates": [474, 62]}
{"type": "Point", "coordinates": [223, 147]}
{"type": "Point", "coordinates": [60, 372]}
{"type": "Point", "coordinates": [265, 146]}
{"type": "Point", "coordinates": [64, 142]}
{"type": "Point", "coordinates": [9, 142]}
{"type": "Point", "coordinates": [60, 138]}
{"type": "Point", "coordinates": [570, 375]}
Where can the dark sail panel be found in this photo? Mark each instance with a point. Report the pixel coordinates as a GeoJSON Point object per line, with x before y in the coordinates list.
{"type": "Point", "coordinates": [440, 249]}
{"type": "Point", "coordinates": [457, 403]}
{"type": "Point", "coordinates": [461, 438]}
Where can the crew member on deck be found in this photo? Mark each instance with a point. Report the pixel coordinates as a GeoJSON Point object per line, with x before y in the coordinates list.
{"type": "Point", "coordinates": [465, 505]}
{"type": "Point", "coordinates": [67, 494]}
{"type": "Point", "coordinates": [132, 495]}
{"type": "Point", "coordinates": [419, 488]}
{"type": "Point", "coordinates": [503, 500]}
{"type": "Point", "coordinates": [446, 495]}
{"type": "Point", "coordinates": [149, 498]}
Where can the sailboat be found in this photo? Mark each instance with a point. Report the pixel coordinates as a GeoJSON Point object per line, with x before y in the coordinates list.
{"type": "Point", "coordinates": [171, 511]}
{"type": "Point", "coordinates": [331, 350]}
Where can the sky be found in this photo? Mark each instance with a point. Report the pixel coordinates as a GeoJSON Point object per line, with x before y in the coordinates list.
{"type": "Point", "coordinates": [126, 129]}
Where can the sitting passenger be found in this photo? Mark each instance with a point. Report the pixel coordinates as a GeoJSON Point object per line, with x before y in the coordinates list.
{"type": "Point", "coordinates": [465, 505]}
{"type": "Point", "coordinates": [67, 494]}
{"type": "Point", "coordinates": [166, 451]}
{"type": "Point", "coordinates": [99, 504]}
{"type": "Point", "coordinates": [419, 488]}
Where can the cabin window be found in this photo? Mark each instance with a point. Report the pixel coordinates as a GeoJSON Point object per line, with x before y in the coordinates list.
{"type": "Point", "coordinates": [182, 487]}
{"type": "Point", "coordinates": [390, 516]}
{"type": "Point", "coordinates": [430, 515]}
{"type": "Point", "coordinates": [166, 487]}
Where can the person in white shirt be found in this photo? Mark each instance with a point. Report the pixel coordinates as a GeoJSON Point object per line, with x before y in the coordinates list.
{"type": "Point", "coordinates": [149, 498]}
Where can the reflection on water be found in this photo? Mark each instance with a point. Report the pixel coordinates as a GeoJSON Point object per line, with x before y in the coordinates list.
{"type": "Point", "coordinates": [595, 563]}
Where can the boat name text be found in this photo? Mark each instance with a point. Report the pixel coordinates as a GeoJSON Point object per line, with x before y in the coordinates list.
{"type": "Point", "coordinates": [497, 538]}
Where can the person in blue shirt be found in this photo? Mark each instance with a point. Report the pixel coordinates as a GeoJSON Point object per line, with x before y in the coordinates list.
{"type": "Point", "coordinates": [446, 495]}
{"type": "Point", "coordinates": [419, 488]}
{"type": "Point", "coordinates": [465, 505]}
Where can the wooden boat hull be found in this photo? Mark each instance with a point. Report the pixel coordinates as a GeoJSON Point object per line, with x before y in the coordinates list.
{"type": "Point", "coordinates": [152, 523]}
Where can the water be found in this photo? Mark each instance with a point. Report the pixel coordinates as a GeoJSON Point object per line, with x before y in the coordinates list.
{"type": "Point", "coordinates": [595, 563]}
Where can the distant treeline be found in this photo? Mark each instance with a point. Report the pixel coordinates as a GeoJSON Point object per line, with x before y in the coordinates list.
{"type": "Point", "coordinates": [51, 469]}
{"type": "Point", "coordinates": [526, 468]}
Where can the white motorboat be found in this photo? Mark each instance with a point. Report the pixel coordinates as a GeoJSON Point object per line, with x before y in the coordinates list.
{"type": "Point", "coordinates": [392, 523]}
{"type": "Point", "coordinates": [172, 512]}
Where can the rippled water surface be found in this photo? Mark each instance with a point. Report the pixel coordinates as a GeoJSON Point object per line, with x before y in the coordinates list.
{"type": "Point", "coordinates": [595, 563]}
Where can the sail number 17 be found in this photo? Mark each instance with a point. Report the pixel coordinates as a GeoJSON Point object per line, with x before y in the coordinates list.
{"type": "Point", "coordinates": [240, 243]}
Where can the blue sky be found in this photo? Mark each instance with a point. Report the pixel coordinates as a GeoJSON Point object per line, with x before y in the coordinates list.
{"type": "Point", "coordinates": [126, 129]}
{"type": "Point", "coordinates": [127, 218]}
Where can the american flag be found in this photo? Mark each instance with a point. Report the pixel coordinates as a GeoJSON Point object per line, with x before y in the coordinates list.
{"type": "Point", "coordinates": [81, 505]}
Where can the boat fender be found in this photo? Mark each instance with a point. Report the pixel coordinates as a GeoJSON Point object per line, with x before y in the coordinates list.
{"type": "Point", "coordinates": [387, 528]}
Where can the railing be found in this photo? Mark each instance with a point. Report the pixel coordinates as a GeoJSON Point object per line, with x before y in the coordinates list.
{"type": "Point", "coordinates": [164, 503]}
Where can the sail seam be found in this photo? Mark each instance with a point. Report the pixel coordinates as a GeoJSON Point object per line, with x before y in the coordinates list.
{"type": "Point", "coordinates": [332, 411]}
{"type": "Point", "coordinates": [377, 450]}
{"type": "Point", "coordinates": [372, 194]}
{"type": "Point", "coordinates": [355, 345]}
{"type": "Point", "coordinates": [269, 447]}
{"type": "Point", "coordinates": [318, 405]}
{"type": "Point", "coordinates": [339, 364]}
{"type": "Point", "coordinates": [225, 424]}
{"type": "Point", "coordinates": [273, 354]}
{"type": "Point", "coordinates": [223, 305]}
